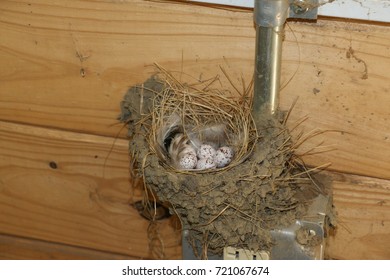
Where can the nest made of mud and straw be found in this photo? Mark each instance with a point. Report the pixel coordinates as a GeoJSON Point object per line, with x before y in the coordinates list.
{"type": "Point", "coordinates": [201, 104]}
{"type": "Point", "coordinates": [220, 209]}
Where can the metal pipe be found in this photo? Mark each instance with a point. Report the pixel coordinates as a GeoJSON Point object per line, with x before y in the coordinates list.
{"type": "Point", "coordinates": [269, 16]}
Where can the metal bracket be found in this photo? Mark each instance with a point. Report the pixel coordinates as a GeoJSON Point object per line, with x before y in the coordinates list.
{"type": "Point", "coordinates": [304, 9]}
{"type": "Point", "coordinates": [303, 240]}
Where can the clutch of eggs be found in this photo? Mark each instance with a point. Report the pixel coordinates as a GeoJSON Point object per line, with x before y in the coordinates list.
{"type": "Point", "coordinates": [206, 157]}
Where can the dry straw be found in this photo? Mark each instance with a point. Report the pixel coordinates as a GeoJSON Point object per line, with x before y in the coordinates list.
{"type": "Point", "coordinates": [200, 104]}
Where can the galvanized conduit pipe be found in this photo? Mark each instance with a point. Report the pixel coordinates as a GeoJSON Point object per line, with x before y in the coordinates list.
{"type": "Point", "coordinates": [270, 17]}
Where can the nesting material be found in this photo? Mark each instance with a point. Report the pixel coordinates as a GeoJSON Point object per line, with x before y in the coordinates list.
{"type": "Point", "coordinates": [234, 197]}
{"type": "Point", "coordinates": [198, 117]}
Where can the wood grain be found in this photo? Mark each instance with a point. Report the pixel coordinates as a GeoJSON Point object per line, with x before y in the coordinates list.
{"type": "Point", "coordinates": [68, 65]}
{"type": "Point", "coordinates": [76, 204]}
{"type": "Point", "coordinates": [363, 206]}
{"type": "Point", "coordinates": [17, 248]}
{"type": "Point", "coordinates": [58, 186]}
{"type": "Point", "coordinates": [339, 99]}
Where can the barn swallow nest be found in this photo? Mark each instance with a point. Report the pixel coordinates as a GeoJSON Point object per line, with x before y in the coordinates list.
{"type": "Point", "coordinates": [238, 204]}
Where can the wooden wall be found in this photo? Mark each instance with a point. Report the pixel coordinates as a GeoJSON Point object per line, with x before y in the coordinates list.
{"type": "Point", "coordinates": [65, 189]}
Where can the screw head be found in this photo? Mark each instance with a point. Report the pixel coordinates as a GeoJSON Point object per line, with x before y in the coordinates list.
{"type": "Point", "coordinates": [299, 7]}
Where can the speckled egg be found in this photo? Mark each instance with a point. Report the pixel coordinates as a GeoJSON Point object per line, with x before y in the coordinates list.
{"type": "Point", "coordinates": [206, 151]}
{"type": "Point", "coordinates": [205, 163]}
{"type": "Point", "coordinates": [223, 156]}
{"type": "Point", "coordinates": [188, 161]}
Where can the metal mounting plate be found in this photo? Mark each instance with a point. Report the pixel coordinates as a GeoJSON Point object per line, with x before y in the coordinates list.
{"type": "Point", "coordinates": [303, 240]}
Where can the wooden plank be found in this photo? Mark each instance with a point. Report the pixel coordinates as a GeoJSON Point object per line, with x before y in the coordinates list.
{"type": "Point", "coordinates": [363, 206]}
{"type": "Point", "coordinates": [58, 186]}
{"type": "Point", "coordinates": [68, 66]}
{"type": "Point", "coordinates": [16, 248]}
{"type": "Point", "coordinates": [337, 97]}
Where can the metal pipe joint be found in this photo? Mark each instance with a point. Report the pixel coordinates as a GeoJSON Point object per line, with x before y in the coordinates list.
{"type": "Point", "coordinates": [271, 13]}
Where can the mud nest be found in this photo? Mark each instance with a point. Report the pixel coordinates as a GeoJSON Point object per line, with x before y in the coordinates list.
{"type": "Point", "coordinates": [260, 190]}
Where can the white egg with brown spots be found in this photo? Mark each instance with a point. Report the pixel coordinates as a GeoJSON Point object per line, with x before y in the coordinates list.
{"type": "Point", "coordinates": [188, 161]}
{"type": "Point", "coordinates": [223, 156]}
{"type": "Point", "coordinates": [205, 163]}
{"type": "Point", "coordinates": [206, 151]}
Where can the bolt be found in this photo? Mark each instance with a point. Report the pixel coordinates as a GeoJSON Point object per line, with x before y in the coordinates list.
{"type": "Point", "coordinates": [299, 7]}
